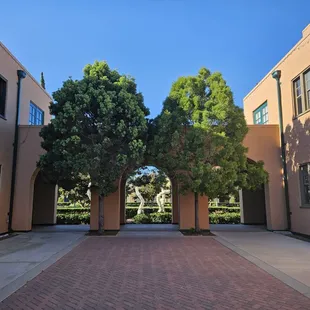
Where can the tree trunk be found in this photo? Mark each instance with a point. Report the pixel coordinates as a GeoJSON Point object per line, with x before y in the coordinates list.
{"type": "Point", "coordinates": [101, 205]}
{"type": "Point", "coordinates": [196, 213]}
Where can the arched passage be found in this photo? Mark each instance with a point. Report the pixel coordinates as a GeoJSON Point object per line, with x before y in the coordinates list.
{"type": "Point", "coordinates": [174, 198]}
{"type": "Point", "coordinates": [253, 205]}
{"type": "Point", "coordinates": [44, 201]}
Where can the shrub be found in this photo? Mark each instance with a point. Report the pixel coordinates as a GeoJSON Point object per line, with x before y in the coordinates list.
{"type": "Point", "coordinates": [142, 219]}
{"type": "Point", "coordinates": [224, 209]}
{"type": "Point", "coordinates": [73, 218]}
{"type": "Point", "coordinates": [72, 210]}
{"type": "Point", "coordinates": [163, 218]}
{"type": "Point", "coordinates": [225, 218]}
{"type": "Point", "coordinates": [131, 212]}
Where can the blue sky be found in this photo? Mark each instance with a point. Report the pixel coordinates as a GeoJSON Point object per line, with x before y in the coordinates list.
{"type": "Point", "coordinates": [155, 41]}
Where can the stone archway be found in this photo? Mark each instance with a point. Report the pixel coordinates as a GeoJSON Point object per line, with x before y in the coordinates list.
{"type": "Point", "coordinates": [184, 209]}
{"type": "Point", "coordinates": [174, 198]}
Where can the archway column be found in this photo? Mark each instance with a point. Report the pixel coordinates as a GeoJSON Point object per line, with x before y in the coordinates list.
{"type": "Point", "coordinates": [187, 211]}
{"type": "Point", "coordinates": [111, 211]}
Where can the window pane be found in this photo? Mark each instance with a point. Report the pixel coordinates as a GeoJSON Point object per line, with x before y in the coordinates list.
{"type": "Point", "coordinates": [2, 96]}
{"type": "Point", "coordinates": [308, 99]}
{"type": "Point", "coordinates": [307, 80]}
{"type": "Point", "coordinates": [305, 183]}
{"type": "Point", "coordinates": [299, 105]}
{"type": "Point", "coordinates": [35, 115]}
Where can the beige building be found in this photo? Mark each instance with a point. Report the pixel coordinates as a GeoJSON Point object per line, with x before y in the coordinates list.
{"type": "Point", "coordinates": [261, 109]}
{"type": "Point", "coordinates": [33, 112]}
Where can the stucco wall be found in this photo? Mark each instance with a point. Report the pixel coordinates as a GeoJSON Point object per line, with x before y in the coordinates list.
{"type": "Point", "coordinates": [263, 143]}
{"type": "Point", "coordinates": [297, 130]}
{"type": "Point", "coordinates": [31, 91]}
{"type": "Point", "coordinates": [26, 172]}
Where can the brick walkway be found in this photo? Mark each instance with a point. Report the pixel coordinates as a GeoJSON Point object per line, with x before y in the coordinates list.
{"type": "Point", "coordinates": [154, 273]}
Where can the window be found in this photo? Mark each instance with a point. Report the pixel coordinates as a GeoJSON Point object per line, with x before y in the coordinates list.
{"type": "Point", "coordinates": [36, 115]}
{"type": "Point", "coordinates": [307, 88]}
{"type": "Point", "coordinates": [261, 114]}
{"type": "Point", "coordinates": [301, 88]}
{"type": "Point", "coordinates": [304, 172]}
{"type": "Point", "coordinates": [2, 96]}
{"type": "Point", "coordinates": [298, 97]}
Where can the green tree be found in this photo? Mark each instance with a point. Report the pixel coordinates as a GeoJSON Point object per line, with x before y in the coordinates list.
{"type": "Point", "coordinates": [150, 183]}
{"type": "Point", "coordinates": [42, 82]}
{"type": "Point", "coordinates": [198, 138]}
{"type": "Point", "coordinates": [98, 131]}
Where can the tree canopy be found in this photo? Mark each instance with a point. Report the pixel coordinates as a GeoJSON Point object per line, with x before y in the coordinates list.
{"type": "Point", "coordinates": [98, 129]}
{"type": "Point", "coordinates": [198, 137]}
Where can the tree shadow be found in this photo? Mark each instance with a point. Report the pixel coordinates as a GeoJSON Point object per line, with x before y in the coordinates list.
{"type": "Point", "coordinates": [297, 138]}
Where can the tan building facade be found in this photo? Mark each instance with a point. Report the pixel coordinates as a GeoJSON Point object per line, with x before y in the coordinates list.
{"type": "Point", "coordinates": [261, 109]}
{"type": "Point", "coordinates": [33, 109]}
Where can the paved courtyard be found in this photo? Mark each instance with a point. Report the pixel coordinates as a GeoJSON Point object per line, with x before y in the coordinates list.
{"type": "Point", "coordinates": [154, 272]}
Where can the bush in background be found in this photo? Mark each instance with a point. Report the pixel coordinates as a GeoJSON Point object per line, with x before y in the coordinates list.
{"type": "Point", "coordinates": [73, 218]}
{"type": "Point", "coordinates": [161, 218]}
{"type": "Point", "coordinates": [224, 218]}
{"type": "Point", "coordinates": [142, 219]}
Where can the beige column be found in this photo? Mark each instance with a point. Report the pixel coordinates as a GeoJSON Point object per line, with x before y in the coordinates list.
{"type": "Point", "coordinates": [204, 223]}
{"type": "Point", "coordinates": [111, 211]}
{"type": "Point", "coordinates": [187, 211]}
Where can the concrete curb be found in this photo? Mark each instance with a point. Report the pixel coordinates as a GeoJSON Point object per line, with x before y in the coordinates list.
{"type": "Point", "coordinates": [293, 283]}
{"type": "Point", "coordinates": [16, 284]}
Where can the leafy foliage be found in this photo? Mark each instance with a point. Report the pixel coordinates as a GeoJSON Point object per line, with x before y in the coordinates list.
{"type": "Point", "coordinates": [198, 137]}
{"type": "Point", "coordinates": [161, 218]}
{"type": "Point", "coordinates": [142, 219]}
{"type": "Point", "coordinates": [150, 182]}
{"type": "Point", "coordinates": [98, 129]}
{"type": "Point", "coordinates": [42, 80]}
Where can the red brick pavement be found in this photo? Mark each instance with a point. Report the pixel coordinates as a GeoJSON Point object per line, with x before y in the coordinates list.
{"type": "Point", "coordinates": [154, 273]}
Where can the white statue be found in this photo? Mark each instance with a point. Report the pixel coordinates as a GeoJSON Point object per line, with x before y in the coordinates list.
{"type": "Point", "coordinates": [142, 201]}
{"type": "Point", "coordinates": [88, 193]}
{"type": "Point", "coordinates": [161, 199]}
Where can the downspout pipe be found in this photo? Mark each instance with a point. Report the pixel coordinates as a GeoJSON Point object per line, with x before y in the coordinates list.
{"type": "Point", "coordinates": [277, 75]}
{"type": "Point", "coordinates": [21, 75]}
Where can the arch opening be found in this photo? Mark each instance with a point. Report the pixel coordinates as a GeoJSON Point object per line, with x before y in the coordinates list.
{"type": "Point", "coordinates": [44, 200]}
{"type": "Point", "coordinates": [148, 196]}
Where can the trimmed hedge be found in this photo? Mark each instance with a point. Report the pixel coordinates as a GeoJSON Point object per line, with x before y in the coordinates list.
{"type": "Point", "coordinates": [224, 218]}
{"type": "Point", "coordinates": [132, 211]}
{"type": "Point", "coordinates": [224, 209]}
{"type": "Point", "coordinates": [75, 218]}
{"type": "Point", "coordinates": [148, 204]}
{"type": "Point", "coordinates": [153, 218]}
{"type": "Point", "coordinates": [72, 210]}
{"type": "Point", "coordinates": [218, 215]}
